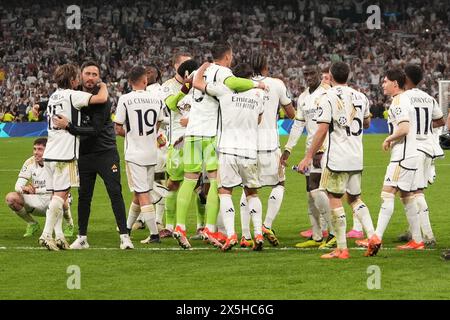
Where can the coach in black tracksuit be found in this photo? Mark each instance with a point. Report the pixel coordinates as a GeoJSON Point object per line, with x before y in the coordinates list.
{"type": "Point", "coordinates": [98, 154]}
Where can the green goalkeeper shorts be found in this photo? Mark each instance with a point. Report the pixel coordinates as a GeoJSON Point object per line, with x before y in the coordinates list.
{"type": "Point", "coordinates": [198, 151]}
{"type": "Point", "coordinates": [174, 164]}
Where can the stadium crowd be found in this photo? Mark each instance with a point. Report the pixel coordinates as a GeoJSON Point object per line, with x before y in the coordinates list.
{"type": "Point", "coordinates": [120, 34]}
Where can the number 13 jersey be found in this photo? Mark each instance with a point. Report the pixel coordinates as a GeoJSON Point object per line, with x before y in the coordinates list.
{"type": "Point", "coordinates": [139, 112]}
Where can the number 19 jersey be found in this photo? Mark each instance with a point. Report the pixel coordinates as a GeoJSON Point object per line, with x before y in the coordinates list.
{"type": "Point", "coordinates": [139, 111]}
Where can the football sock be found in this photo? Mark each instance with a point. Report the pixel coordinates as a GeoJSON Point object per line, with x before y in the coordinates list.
{"type": "Point", "coordinates": [324, 225]}
{"type": "Point", "coordinates": [424, 217]}
{"type": "Point", "coordinates": [322, 203]}
{"type": "Point", "coordinates": [160, 211]}
{"type": "Point", "coordinates": [227, 212]}
{"type": "Point", "coordinates": [199, 210]}
{"type": "Point", "coordinates": [170, 207]}
{"type": "Point", "coordinates": [245, 217]}
{"type": "Point", "coordinates": [149, 216]}
{"type": "Point", "coordinates": [67, 213]}
{"type": "Point", "coordinates": [361, 213]}
{"type": "Point", "coordinates": [133, 214]}
{"type": "Point", "coordinates": [314, 217]}
{"type": "Point", "coordinates": [184, 200]}
{"type": "Point", "coordinates": [54, 209]}
{"type": "Point", "coordinates": [273, 205]}
{"type": "Point", "coordinates": [212, 203]}
{"type": "Point", "coordinates": [385, 214]}
{"type": "Point", "coordinates": [412, 214]}
{"type": "Point", "coordinates": [59, 233]}
{"type": "Point", "coordinates": [24, 215]}
{"type": "Point", "coordinates": [357, 224]}
{"type": "Point", "coordinates": [255, 211]}
{"type": "Point", "coordinates": [340, 224]}
{"type": "Point", "coordinates": [220, 224]}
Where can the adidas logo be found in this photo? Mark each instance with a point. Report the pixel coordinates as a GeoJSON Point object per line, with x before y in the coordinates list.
{"type": "Point", "coordinates": [272, 198]}
{"type": "Point", "coordinates": [388, 179]}
{"type": "Point", "coordinates": [252, 211]}
{"type": "Point", "coordinates": [231, 210]}
{"type": "Point", "coordinates": [242, 204]}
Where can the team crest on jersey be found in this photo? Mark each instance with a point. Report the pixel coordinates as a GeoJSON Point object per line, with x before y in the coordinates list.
{"type": "Point", "coordinates": [398, 111]}
{"type": "Point", "coordinates": [166, 89]}
{"type": "Point", "coordinates": [186, 107]}
{"type": "Point", "coordinates": [342, 120]}
{"type": "Point", "coordinates": [114, 168]}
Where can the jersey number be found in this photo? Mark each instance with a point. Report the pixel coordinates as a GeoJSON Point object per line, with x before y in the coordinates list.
{"type": "Point", "coordinates": [355, 133]}
{"type": "Point", "coordinates": [427, 119]}
{"type": "Point", "coordinates": [51, 112]}
{"type": "Point", "coordinates": [144, 119]}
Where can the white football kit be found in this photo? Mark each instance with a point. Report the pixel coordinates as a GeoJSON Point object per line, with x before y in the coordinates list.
{"type": "Point", "coordinates": [426, 110]}
{"type": "Point", "coordinates": [139, 111]}
{"type": "Point", "coordinates": [33, 172]}
{"type": "Point", "coordinates": [344, 109]}
{"type": "Point", "coordinates": [402, 168]}
{"type": "Point", "coordinates": [269, 153]}
{"type": "Point", "coordinates": [61, 151]}
{"type": "Point", "coordinates": [238, 136]}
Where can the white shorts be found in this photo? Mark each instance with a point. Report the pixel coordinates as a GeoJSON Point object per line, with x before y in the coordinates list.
{"type": "Point", "coordinates": [399, 177]}
{"type": "Point", "coordinates": [37, 204]}
{"type": "Point", "coordinates": [140, 178]}
{"type": "Point", "coordinates": [161, 159]}
{"type": "Point", "coordinates": [341, 182]}
{"type": "Point", "coordinates": [61, 175]}
{"type": "Point", "coordinates": [424, 171]}
{"type": "Point", "coordinates": [235, 171]}
{"type": "Point", "coordinates": [270, 171]}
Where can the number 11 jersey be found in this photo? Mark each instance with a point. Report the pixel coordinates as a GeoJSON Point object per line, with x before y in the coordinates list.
{"type": "Point", "coordinates": [139, 112]}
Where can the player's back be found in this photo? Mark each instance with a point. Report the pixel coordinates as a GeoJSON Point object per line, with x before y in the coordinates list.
{"type": "Point", "coordinates": [61, 145]}
{"type": "Point", "coordinates": [203, 118]}
{"type": "Point", "coordinates": [276, 96]}
{"type": "Point", "coordinates": [140, 111]}
{"type": "Point", "coordinates": [348, 108]}
{"type": "Point", "coordinates": [426, 110]}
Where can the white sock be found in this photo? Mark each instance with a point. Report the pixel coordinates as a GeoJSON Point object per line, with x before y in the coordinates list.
{"type": "Point", "coordinates": [357, 224]}
{"type": "Point", "coordinates": [227, 212]}
{"type": "Point", "coordinates": [274, 205]}
{"type": "Point", "coordinates": [59, 233]}
{"type": "Point", "coordinates": [149, 217]}
{"type": "Point", "coordinates": [24, 215]}
{"type": "Point", "coordinates": [245, 217]}
{"type": "Point", "coordinates": [340, 226]}
{"type": "Point", "coordinates": [68, 215]}
{"type": "Point", "coordinates": [412, 214]}
{"type": "Point", "coordinates": [361, 213]}
{"type": "Point", "coordinates": [212, 227]}
{"type": "Point", "coordinates": [385, 214]}
{"type": "Point", "coordinates": [314, 217]}
{"type": "Point", "coordinates": [133, 214]}
{"type": "Point", "coordinates": [55, 207]}
{"type": "Point", "coordinates": [255, 211]}
{"type": "Point", "coordinates": [424, 217]}
{"type": "Point", "coordinates": [220, 223]}
{"type": "Point", "coordinates": [160, 211]}
{"type": "Point", "coordinates": [169, 227]}
{"type": "Point", "coordinates": [322, 204]}
{"type": "Point", "coordinates": [324, 224]}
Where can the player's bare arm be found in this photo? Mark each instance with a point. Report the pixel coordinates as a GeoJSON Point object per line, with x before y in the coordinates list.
{"type": "Point", "coordinates": [289, 110]}
{"type": "Point", "coordinates": [102, 95]}
{"type": "Point", "coordinates": [199, 82]}
{"type": "Point", "coordinates": [317, 142]}
{"type": "Point", "coordinates": [120, 131]}
{"type": "Point", "coordinates": [401, 132]}
{"type": "Point", "coordinates": [366, 123]}
{"type": "Point", "coordinates": [438, 123]}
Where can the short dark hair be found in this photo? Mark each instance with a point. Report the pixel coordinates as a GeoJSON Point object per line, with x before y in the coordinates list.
{"type": "Point", "coordinates": [397, 75]}
{"type": "Point", "coordinates": [258, 62]}
{"type": "Point", "coordinates": [40, 141]}
{"type": "Point", "coordinates": [136, 73]}
{"type": "Point", "coordinates": [178, 55]}
{"type": "Point", "coordinates": [414, 73]}
{"type": "Point", "coordinates": [188, 66]}
{"type": "Point", "coordinates": [340, 71]}
{"type": "Point", "coordinates": [243, 70]}
{"type": "Point", "coordinates": [64, 74]}
{"type": "Point", "coordinates": [219, 49]}
{"type": "Point", "coordinates": [90, 63]}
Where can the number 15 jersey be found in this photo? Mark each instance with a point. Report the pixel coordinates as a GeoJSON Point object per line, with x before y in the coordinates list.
{"type": "Point", "coordinates": [139, 111]}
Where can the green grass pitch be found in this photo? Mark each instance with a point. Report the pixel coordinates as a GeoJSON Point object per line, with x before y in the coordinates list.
{"type": "Point", "coordinates": [165, 272]}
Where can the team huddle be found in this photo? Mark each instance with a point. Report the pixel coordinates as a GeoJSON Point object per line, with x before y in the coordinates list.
{"type": "Point", "coordinates": [190, 141]}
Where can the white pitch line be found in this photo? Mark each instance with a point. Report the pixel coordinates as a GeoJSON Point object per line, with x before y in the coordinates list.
{"type": "Point", "coordinates": [199, 249]}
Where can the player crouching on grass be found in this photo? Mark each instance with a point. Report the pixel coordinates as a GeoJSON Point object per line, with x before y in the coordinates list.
{"type": "Point", "coordinates": [31, 197]}
{"type": "Point", "coordinates": [137, 119]}
{"type": "Point", "coordinates": [237, 148]}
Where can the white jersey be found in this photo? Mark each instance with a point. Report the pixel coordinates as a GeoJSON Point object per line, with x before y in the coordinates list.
{"type": "Point", "coordinates": [203, 118]}
{"type": "Point", "coordinates": [61, 145]}
{"type": "Point", "coordinates": [176, 130]}
{"type": "Point", "coordinates": [307, 111]}
{"type": "Point", "coordinates": [32, 172]}
{"type": "Point", "coordinates": [139, 112]}
{"type": "Point", "coordinates": [344, 109]}
{"type": "Point", "coordinates": [426, 110]}
{"type": "Point", "coordinates": [239, 120]}
{"type": "Point", "coordinates": [276, 95]}
{"type": "Point", "coordinates": [404, 150]}
{"type": "Point", "coordinates": [153, 88]}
